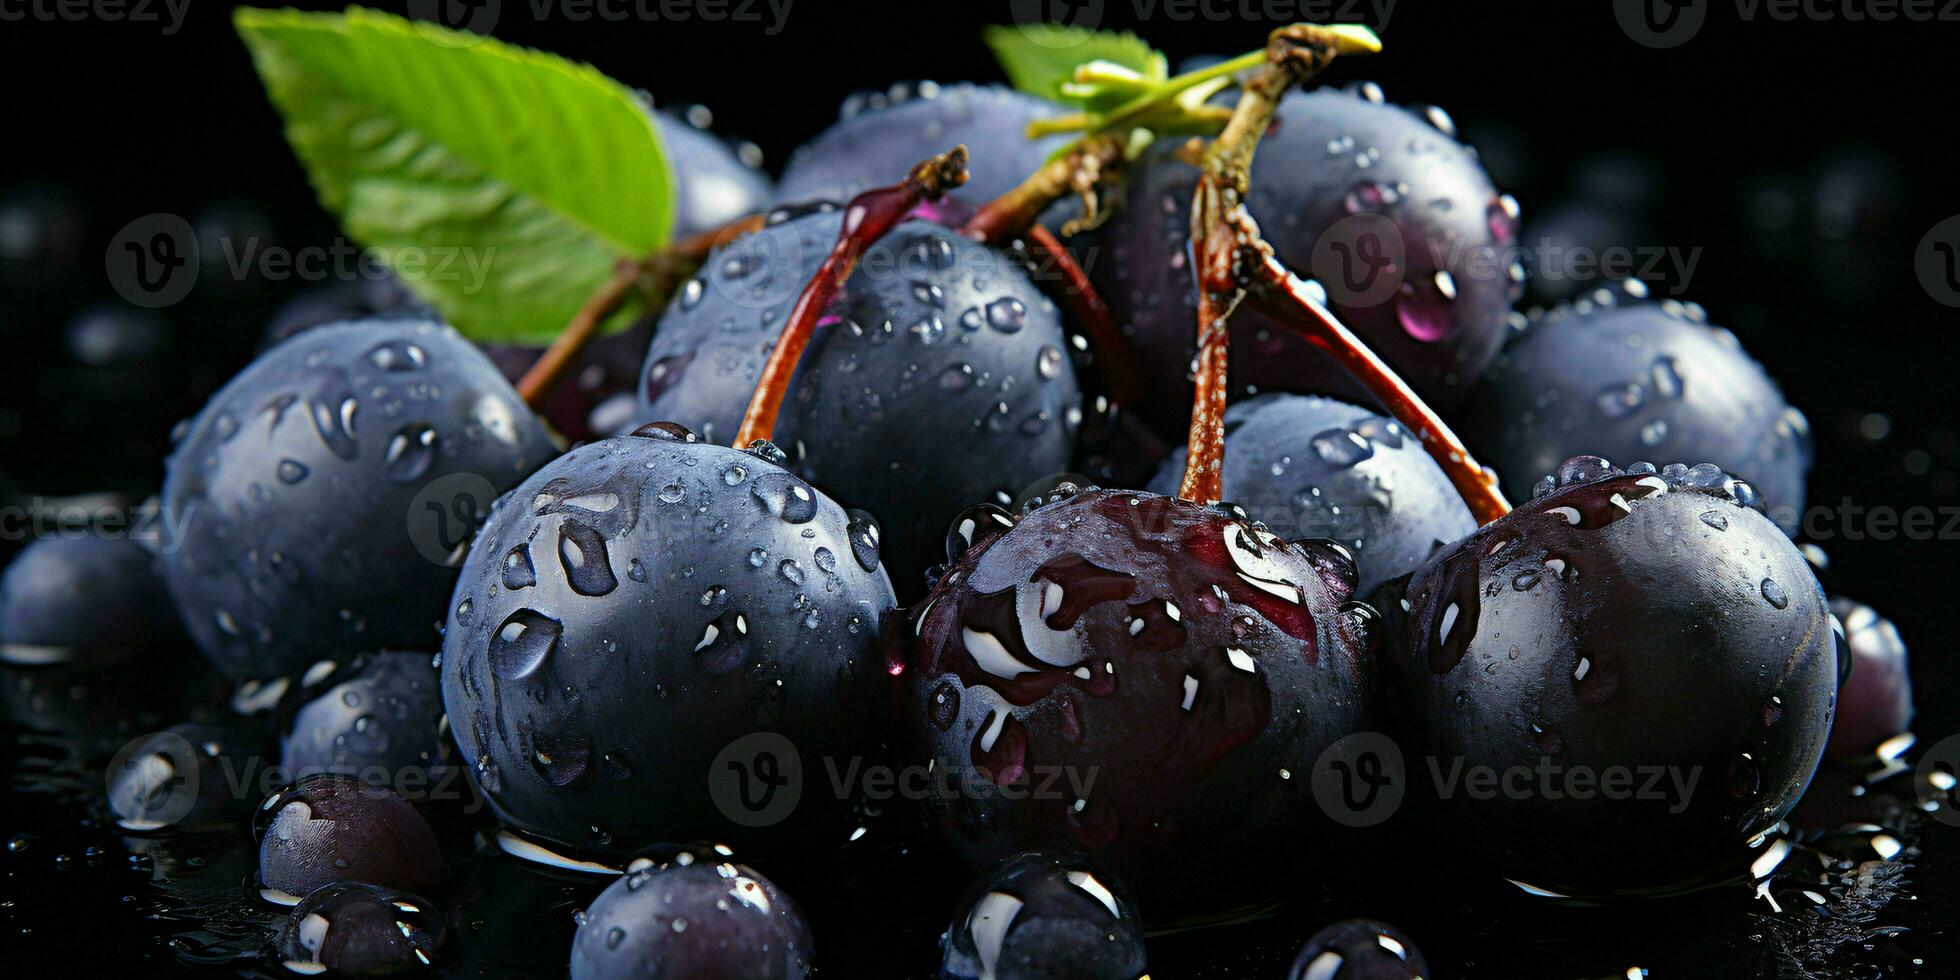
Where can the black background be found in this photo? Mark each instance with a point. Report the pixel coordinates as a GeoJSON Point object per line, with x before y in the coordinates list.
{"type": "Point", "coordinates": [129, 121]}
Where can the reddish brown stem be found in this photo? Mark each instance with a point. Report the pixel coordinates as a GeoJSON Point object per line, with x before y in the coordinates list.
{"type": "Point", "coordinates": [866, 219]}
{"type": "Point", "coordinates": [1282, 295]}
{"type": "Point", "coordinates": [655, 277]}
{"type": "Point", "coordinates": [1293, 54]}
{"type": "Point", "coordinates": [556, 361]}
{"type": "Point", "coordinates": [1120, 367]}
{"type": "Point", "coordinates": [1090, 162]}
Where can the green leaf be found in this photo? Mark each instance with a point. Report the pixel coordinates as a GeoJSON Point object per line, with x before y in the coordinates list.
{"type": "Point", "coordinates": [1043, 60]}
{"type": "Point", "coordinates": [502, 184]}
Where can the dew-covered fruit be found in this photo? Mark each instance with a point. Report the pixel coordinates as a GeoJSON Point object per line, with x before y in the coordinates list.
{"type": "Point", "coordinates": [942, 375]}
{"type": "Point", "coordinates": [1622, 377]}
{"type": "Point", "coordinates": [1377, 202]}
{"type": "Point", "coordinates": [329, 828]}
{"type": "Point", "coordinates": [323, 498]}
{"type": "Point", "coordinates": [1312, 467]}
{"type": "Point", "coordinates": [1044, 915]}
{"type": "Point", "coordinates": [377, 718]}
{"type": "Point", "coordinates": [86, 599]}
{"type": "Point", "coordinates": [1359, 949]}
{"type": "Point", "coordinates": [1142, 679]}
{"type": "Point", "coordinates": [1875, 702]}
{"type": "Point", "coordinates": [692, 916]}
{"type": "Point", "coordinates": [879, 137]}
{"type": "Point", "coordinates": [354, 929]}
{"type": "Point", "coordinates": [635, 608]}
{"type": "Point", "coordinates": [1649, 656]}
{"type": "Point", "coordinates": [182, 778]}
{"type": "Point", "coordinates": [714, 182]}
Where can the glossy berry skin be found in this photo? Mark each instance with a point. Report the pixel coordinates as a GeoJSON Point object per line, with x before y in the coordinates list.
{"type": "Point", "coordinates": [86, 599]}
{"type": "Point", "coordinates": [1312, 467]}
{"type": "Point", "coordinates": [1359, 949]}
{"type": "Point", "coordinates": [1643, 622]}
{"type": "Point", "coordinates": [1875, 702]}
{"type": "Point", "coordinates": [1340, 178]}
{"type": "Point", "coordinates": [1194, 663]}
{"type": "Point", "coordinates": [692, 917]}
{"type": "Point", "coordinates": [878, 138]}
{"type": "Point", "coordinates": [713, 185]}
{"type": "Point", "coordinates": [634, 608]}
{"type": "Point", "coordinates": [943, 379]}
{"type": "Point", "coordinates": [1631, 379]}
{"type": "Point", "coordinates": [326, 494]}
{"type": "Point", "coordinates": [1045, 915]}
{"type": "Point", "coordinates": [181, 778]}
{"type": "Point", "coordinates": [378, 719]}
{"type": "Point", "coordinates": [330, 828]}
{"type": "Point", "coordinates": [354, 929]}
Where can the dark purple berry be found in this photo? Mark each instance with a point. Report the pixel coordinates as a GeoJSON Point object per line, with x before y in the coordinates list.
{"type": "Point", "coordinates": [84, 598]}
{"type": "Point", "coordinates": [378, 719]}
{"type": "Point", "coordinates": [880, 136]}
{"type": "Point", "coordinates": [1649, 628]}
{"type": "Point", "coordinates": [354, 929]}
{"type": "Point", "coordinates": [1379, 203]}
{"type": "Point", "coordinates": [692, 916]}
{"type": "Point", "coordinates": [943, 375]}
{"type": "Point", "coordinates": [1311, 467]}
{"type": "Point", "coordinates": [184, 778]}
{"type": "Point", "coordinates": [324, 498]}
{"type": "Point", "coordinates": [1164, 673]}
{"type": "Point", "coordinates": [1359, 949]}
{"type": "Point", "coordinates": [1875, 703]}
{"type": "Point", "coordinates": [633, 609]}
{"type": "Point", "coordinates": [1617, 376]}
{"type": "Point", "coordinates": [1045, 915]}
{"type": "Point", "coordinates": [330, 828]}
{"type": "Point", "coordinates": [715, 181]}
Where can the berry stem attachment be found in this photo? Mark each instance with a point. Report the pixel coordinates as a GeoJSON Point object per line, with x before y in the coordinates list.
{"type": "Point", "coordinates": [1281, 295]}
{"type": "Point", "coordinates": [1092, 160]}
{"type": "Point", "coordinates": [1293, 54]}
{"type": "Point", "coordinates": [653, 278]}
{"type": "Point", "coordinates": [866, 219]}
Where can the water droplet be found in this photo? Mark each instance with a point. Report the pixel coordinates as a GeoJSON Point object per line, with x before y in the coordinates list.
{"type": "Point", "coordinates": [519, 573]}
{"type": "Point", "coordinates": [785, 496]}
{"type": "Point", "coordinates": [291, 471]}
{"type": "Point", "coordinates": [588, 565]}
{"type": "Point", "coordinates": [1007, 314]}
{"type": "Point", "coordinates": [410, 452]}
{"type": "Point", "coordinates": [397, 355]}
{"type": "Point", "coordinates": [1774, 594]}
{"type": "Point", "coordinates": [522, 643]}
